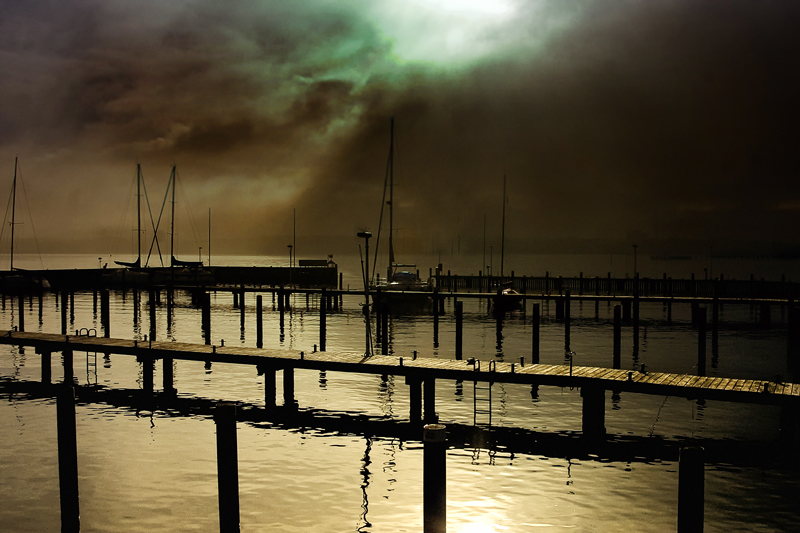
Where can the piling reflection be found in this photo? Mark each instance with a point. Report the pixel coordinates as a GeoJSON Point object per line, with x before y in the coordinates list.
{"type": "Point", "coordinates": [365, 479]}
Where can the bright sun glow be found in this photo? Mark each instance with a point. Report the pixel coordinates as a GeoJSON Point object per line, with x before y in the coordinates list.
{"type": "Point", "coordinates": [445, 31]}
{"type": "Point", "coordinates": [477, 7]}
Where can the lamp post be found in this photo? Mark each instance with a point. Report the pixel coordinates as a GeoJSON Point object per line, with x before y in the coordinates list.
{"type": "Point", "coordinates": [200, 254]}
{"type": "Point", "coordinates": [366, 235]}
{"type": "Point", "coordinates": [634, 260]}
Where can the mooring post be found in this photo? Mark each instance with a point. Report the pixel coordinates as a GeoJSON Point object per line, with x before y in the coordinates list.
{"type": "Point", "coordinates": [152, 302]}
{"type": "Point", "coordinates": [69, 371]}
{"type": "Point", "coordinates": [323, 320]}
{"type": "Point", "coordinates": [64, 310]}
{"type": "Point", "coordinates": [701, 341]}
{"type": "Point", "coordinates": [207, 317]}
{"type": "Point", "coordinates": [46, 368]}
{"type": "Point", "coordinates": [429, 399]}
{"type": "Point", "coordinates": [241, 310]}
{"type": "Point", "coordinates": [617, 337]}
{"type": "Point", "coordinates": [21, 318]}
{"type": "Point", "coordinates": [227, 467]}
{"type": "Point", "coordinates": [168, 375]}
{"type": "Point", "coordinates": [715, 322]}
{"type": "Point", "coordinates": [270, 387]}
{"type": "Point", "coordinates": [147, 374]}
{"type": "Point", "coordinates": [434, 484]}
{"type": "Point", "coordinates": [288, 387]}
{"type": "Point", "coordinates": [535, 334]}
{"type": "Point", "coordinates": [436, 318]}
{"type": "Point", "coordinates": [281, 306]}
{"type": "Point", "coordinates": [378, 308]}
{"type": "Point", "coordinates": [415, 399]}
{"type": "Point", "coordinates": [559, 308]}
{"type": "Point", "coordinates": [594, 423]}
{"type": "Point", "coordinates": [105, 312]}
{"type": "Point", "coordinates": [566, 319]}
{"type": "Point", "coordinates": [259, 322]}
{"type": "Point", "coordinates": [636, 313]}
{"type": "Point", "coordinates": [459, 329]}
{"type": "Point", "coordinates": [691, 490]}
{"type": "Point", "coordinates": [68, 459]}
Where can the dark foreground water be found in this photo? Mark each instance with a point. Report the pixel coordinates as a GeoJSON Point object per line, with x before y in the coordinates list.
{"type": "Point", "coordinates": [155, 470]}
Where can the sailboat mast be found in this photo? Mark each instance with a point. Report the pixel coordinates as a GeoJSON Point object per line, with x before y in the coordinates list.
{"type": "Point", "coordinates": [172, 222]}
{"type": "Point", "coordinates": [391, 195]}
{"type": "Point", "coordinates": [13, 208]}
{"type": "Point", "coordinates": [138, 214]}
{"type": "Point", "coordinates": [503, 232]}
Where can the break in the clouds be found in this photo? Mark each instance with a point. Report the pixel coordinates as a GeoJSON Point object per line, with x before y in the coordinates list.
{"type": "Point", "coordinates": [611, 120]}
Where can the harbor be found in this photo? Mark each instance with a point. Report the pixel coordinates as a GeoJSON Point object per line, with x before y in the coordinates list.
{"type": "Point", "coordinates": [504, 413]}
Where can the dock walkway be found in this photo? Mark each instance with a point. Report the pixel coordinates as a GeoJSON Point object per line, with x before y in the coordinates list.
{"type": "Point", "coordinates": [592, 381]}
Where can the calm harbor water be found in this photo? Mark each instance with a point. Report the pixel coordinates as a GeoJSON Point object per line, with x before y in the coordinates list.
{"type": "Point", "coordinates": [156, 470]}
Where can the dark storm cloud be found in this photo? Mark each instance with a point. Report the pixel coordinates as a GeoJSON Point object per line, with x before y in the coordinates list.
{"type": "Point", "coordinates": [664, 118]}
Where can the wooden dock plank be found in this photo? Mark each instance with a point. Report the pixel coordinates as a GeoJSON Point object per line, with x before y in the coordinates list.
{"type": "Point", "coordinates": [559, 375]}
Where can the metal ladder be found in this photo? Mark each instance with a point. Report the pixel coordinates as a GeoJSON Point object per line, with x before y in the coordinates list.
{"type": "Point", "coordinates": [482, 398]}
{"type": "Point", "coordinates": [91, 357]}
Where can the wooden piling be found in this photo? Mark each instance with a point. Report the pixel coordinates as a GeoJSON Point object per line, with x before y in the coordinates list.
{"type": "Point", "coordinates": [593, 412]}
{"type": "Point", "coordinates": [617, 363]}
{"type": "Point", "coordinates": [105, 312]}
{"type": "Point", "coordinates": [68, 459]}
{"type": "Point", "coordinates": [270, 387]}
{"type": "Point", "coordinates": [259, 322]}
{"type": "Point", "coordinates": [459, 329]}
{"type": "Point", "coordinates": [21, 317]}
{"type": "Point", "coordinates": [288, 387]}
{"type": "Point", "coordinates": [241, 310]}
{"type": "Point", "coordinates": [168, 378]}
{"type": "Point", "coordinates": [535, 334]}
{"type": "Point", "coordinates": [434, 485]}
{"type": "Point", "coordinates": [626, 309]}
{"type": "Point", "coordinates": [46, 367]}
{"type": "Point", "coordinates": [701, 341]}
{"type": "Point", "coordinates": [566, 319]}
{"type": "Point", "coordinates": [636, 313]}
{"type": "Point", "coordinates": [559, 308]}
{"type": "Point", "coordinates": [64, 310]}
{"type": "Point", "coordinates": [147, 374]}
{"type": "Point", "coordinates": [227, 467]}
{"type": "Point", "coordinates": [691, 490]}
{"type": "Point", "coordinates": [323, 319]}
{"type": "Point", "coordinates": [206, 319]}
{"type": "Point", "coordinates": [429, 398]}
{"type": "Point", "coordinates": [415, 399]}
{"type": "Point", "coordinates": [69, 370]}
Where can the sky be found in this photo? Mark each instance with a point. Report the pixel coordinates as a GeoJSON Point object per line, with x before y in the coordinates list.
{"type": "Point", "coordinates": [622, 122]}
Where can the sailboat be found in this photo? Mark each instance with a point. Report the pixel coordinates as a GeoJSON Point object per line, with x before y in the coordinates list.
{"type": "Point", "coordinates": [176, 271]}
{"type": "Point", "coordinates": [138, 262]}
{"type": "Point", "coordinates": [16, 281]}
{"type": "Point", "coordinates": [400, 277]}
{"type": "Point", "coordinates": [507, 298]}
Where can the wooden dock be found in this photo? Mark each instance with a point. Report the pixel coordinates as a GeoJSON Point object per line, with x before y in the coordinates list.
{"type": "Point", "coordinates": [592, 381]}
